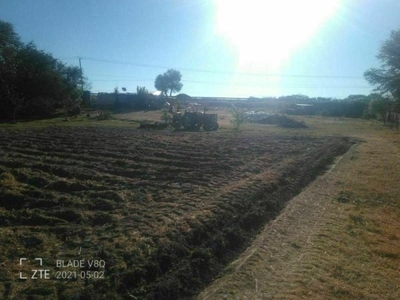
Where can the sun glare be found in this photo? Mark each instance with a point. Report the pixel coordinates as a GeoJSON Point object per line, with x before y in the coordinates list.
{"type": "Point", "coordinates": [266, 32]}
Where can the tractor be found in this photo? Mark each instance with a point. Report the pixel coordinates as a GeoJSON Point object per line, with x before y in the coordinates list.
{"type": "Point", "coordinates": [194, 120]}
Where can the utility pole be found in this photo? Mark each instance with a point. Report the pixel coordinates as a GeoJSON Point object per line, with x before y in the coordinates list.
{"type": "Point", "coordinates": [80, 67]}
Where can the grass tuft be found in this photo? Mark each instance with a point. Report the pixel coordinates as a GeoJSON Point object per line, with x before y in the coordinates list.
{"type": "Point", "coordinates": [8, 180]}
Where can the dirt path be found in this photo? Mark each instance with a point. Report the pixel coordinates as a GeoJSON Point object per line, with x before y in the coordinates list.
{"type": "Point", "coordinates": [319, 248]}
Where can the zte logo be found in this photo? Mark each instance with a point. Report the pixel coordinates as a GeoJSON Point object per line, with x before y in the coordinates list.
{"type": "Point", "coordinates": [35, 273]}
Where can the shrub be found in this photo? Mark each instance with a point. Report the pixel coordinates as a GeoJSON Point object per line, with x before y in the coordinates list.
{"type": "Point", "coordinates": [165, 116]}
{"type": "Point", "coordinates": [238, 117]}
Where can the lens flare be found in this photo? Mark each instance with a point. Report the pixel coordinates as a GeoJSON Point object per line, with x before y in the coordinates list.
{"type": "Point", "coordinates": [265, 33]}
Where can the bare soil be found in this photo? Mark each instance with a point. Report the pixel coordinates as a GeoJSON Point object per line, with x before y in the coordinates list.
{"type": "Point", "coordinates": [165, 210]}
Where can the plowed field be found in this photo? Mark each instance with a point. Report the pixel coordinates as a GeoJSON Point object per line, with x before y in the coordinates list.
{"type": "Point", "coordinates": [164, 210]}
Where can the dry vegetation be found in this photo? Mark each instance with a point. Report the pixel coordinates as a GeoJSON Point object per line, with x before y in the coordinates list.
{"type": "Point", "coordinates": [339, 239]}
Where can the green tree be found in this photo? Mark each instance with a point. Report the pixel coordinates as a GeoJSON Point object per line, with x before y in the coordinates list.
{"type": "Point", "coordinates": [170, 82]}
{"type": "Point", "coordinates": [10, 44]}
{"type": "Point", "coordinates": [33, 82]}
{"type": "Point", "coordinates": [387, 77]}
{"type": "Point", "coordinates": [379, 106]}
{"type": "Point", "coordinates": [44, 82]}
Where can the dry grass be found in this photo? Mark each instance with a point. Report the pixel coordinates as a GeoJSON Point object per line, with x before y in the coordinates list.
{"type": "Point", "coordinates": [367, 262]}
{"type": "Point", "coordinates": [7, 180]}
{"type": "Point", "coordinates": [344, 246]}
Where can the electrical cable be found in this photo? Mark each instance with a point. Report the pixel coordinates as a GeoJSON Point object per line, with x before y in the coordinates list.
{"type": "Point", "coordinates": [218, 71]}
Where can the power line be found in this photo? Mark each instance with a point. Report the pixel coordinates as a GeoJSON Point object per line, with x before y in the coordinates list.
{"type": "Point", "coordinates": [68, 57]}
{"type": "Point", "coordinates": [112, 80]}
{"type": "Point", "coordinates": [261, 85]}
{"type": "Point", "coordinates": [268, 85]}
{"type": "Point", "coordinates": [108, 75]}
{"type": "Point", "coordinates": [136, 79]}
{"type": "Point", "coordinates": [218, 71]}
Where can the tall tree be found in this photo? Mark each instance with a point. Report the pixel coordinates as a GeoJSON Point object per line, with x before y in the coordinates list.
{"type": "Point", "coordinates": [161, 84]}
{"type": "Point", "coordinates": [10, 44]}
{"type": "Point", "coordinates": [170, 82]}
{"type": "Point", "coordinates": [387, 77]}
{"type": "Point", "coordinates": [44, 82]}
{"type": "Point", "coordinates": [32, 81]}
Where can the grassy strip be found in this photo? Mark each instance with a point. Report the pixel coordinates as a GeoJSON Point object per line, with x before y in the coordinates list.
{"type": "Point", "coordinates": [364, 243]}
{"type": "Point", "coordinates": [357, 255]}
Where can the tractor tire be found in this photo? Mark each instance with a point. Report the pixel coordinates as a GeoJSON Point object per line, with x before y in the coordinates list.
{"type": "Point", "coordinates": [187, 123]}
{"type": "Point", "coordinates": [196, 127]}
{"type": "Point", "coordinates": [207, 127]}
{"type": "Point", "coordinates": [190, 125]}
{"type": "Point", "coordinates": [213, 126]}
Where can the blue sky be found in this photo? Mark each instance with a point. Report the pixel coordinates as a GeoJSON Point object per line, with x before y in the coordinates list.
{"type": "Point", "coordinates": [222, 48]}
